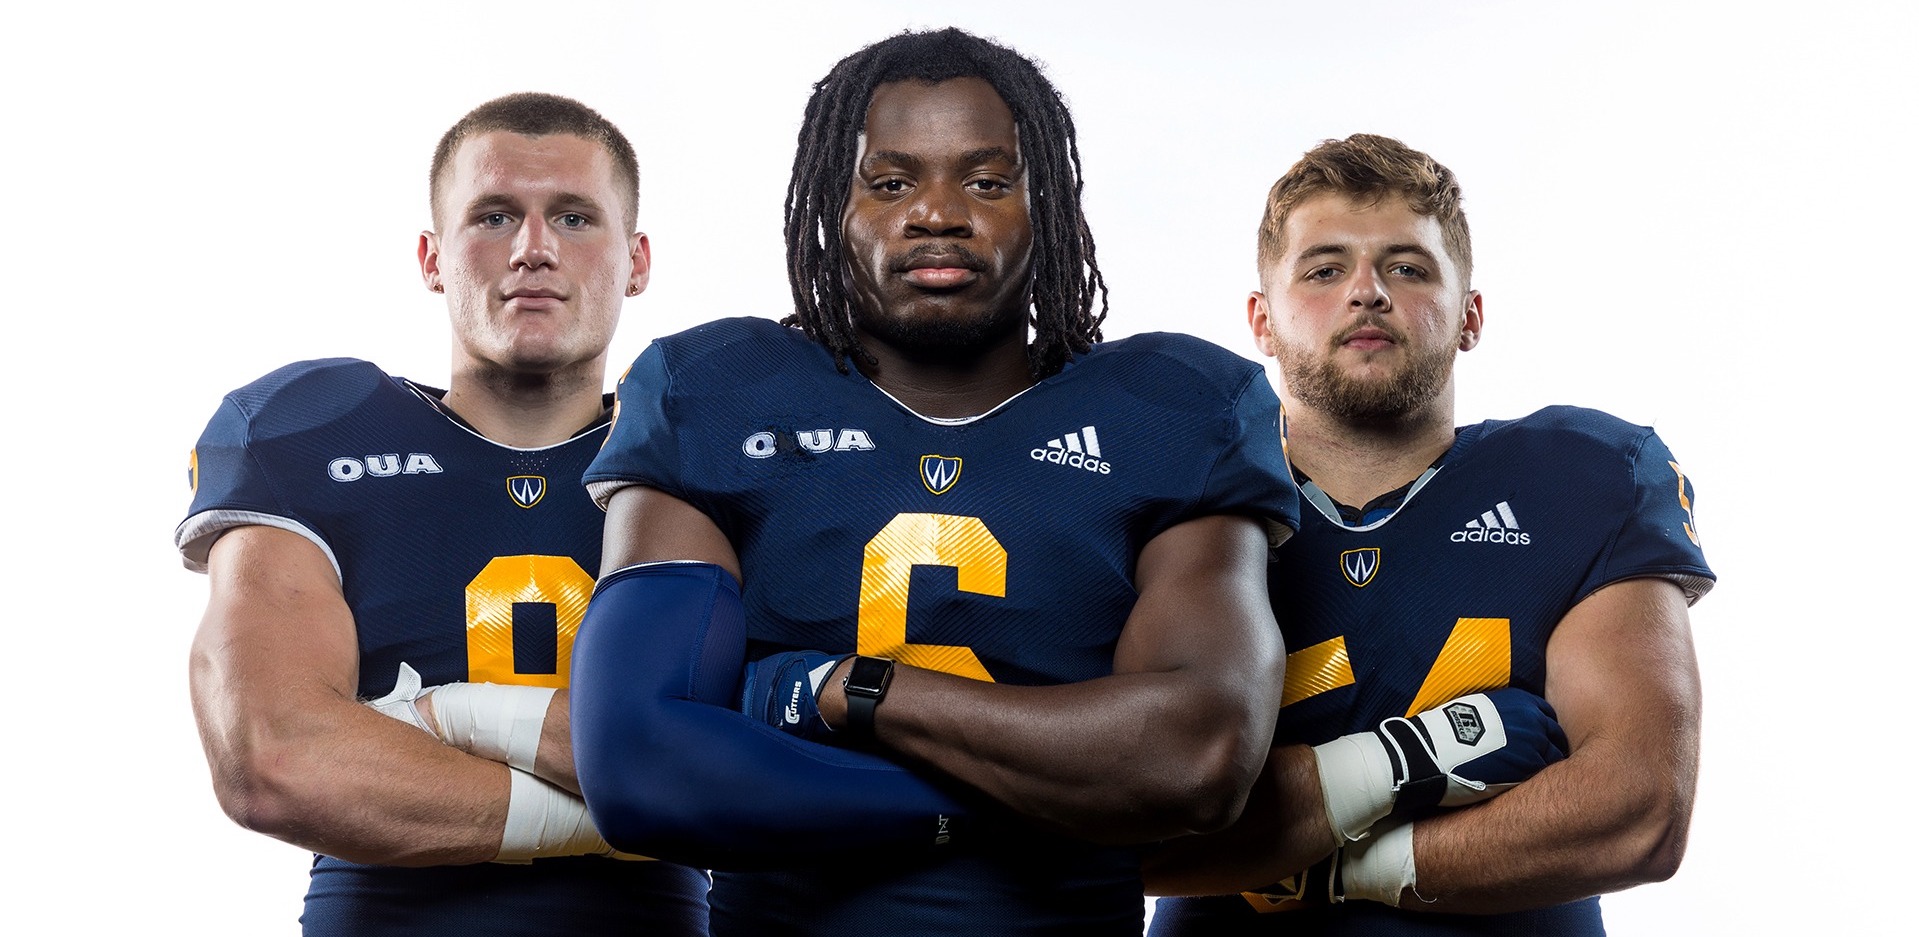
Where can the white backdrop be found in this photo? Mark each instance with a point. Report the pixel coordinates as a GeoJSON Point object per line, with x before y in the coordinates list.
{"type": "Point", "coordinates": [1694, 216]}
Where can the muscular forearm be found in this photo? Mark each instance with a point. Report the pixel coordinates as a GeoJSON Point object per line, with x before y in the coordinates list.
{"type": "Point", "coordinates": [337, 778]}
{"type": "Point", "coordinates": [1282, 831]}
{"type": "Point", "coordinates": [1600, 821]}
{"type": "Point", "coordinates": [1128, 758]}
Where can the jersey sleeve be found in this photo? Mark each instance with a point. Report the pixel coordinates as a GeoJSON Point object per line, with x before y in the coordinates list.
{"type": "Point", "coordinates": [1250, 475]}
{"type": "Point", "coordinates": [1658, 535]}
{"type": "Point", "coordinates": [233, 487]}
{"type": "Point", "coordinates": [643, 446]}
{"type": "Point", "coordinates": [670, 770]}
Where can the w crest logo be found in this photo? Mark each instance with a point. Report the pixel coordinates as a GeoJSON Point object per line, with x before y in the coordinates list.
{"type": "Point", "coordinates": [939, 473]}
{"type": "Point", "coordinates": [1360, 566]}
{"type": "Point", "coordinates": [526, 490]}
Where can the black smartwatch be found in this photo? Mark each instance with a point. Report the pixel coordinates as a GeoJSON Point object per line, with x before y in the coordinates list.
{"type": "Point", "coordinates": [865, 686]}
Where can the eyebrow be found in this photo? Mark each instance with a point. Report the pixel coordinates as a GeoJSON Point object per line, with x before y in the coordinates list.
{"type": "Point", "coordinates": [497, 200]}
{"type": "Point", "coordinates": [975, 157]}
{"type": "Point", "coordinates": [1328, 250]}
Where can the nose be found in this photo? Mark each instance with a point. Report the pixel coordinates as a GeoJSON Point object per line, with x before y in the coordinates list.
{"type": "Point", "coordinates": [1367, 292]}
{"type": "Point", "coordinates": [536, 245]}
{"type": "Point", "coordinates": [939, 211]}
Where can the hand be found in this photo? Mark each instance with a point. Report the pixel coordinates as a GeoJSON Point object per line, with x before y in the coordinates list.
{"type": "Point", "coordinates": [1461, 752]}
{"type": "Point", "coordinates": [783, 691]}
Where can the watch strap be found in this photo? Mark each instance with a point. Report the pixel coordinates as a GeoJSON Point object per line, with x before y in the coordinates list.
{"type": "Point", "coordinates": [865, 684]}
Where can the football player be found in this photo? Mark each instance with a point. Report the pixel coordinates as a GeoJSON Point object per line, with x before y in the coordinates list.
{"type": "Point", "coordinates": [1036, 564]}
{"type": "Point", "coordinates": [1556, 554]}
{"type": "Point", "coordinates": [351, 523]}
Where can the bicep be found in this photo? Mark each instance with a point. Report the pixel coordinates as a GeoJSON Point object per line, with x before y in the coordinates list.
{"type": "Point", "coordinates": [1620, 669]}
{"type": "Point", "coordinates": [1202, 601]}
{"type": "Point", "coordinates": [277, 623]}
{"type": "Point", "coordinates": [647, 525]}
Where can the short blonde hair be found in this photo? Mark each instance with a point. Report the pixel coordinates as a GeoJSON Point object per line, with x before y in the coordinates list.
{"type": "Point", "coordinates": [1368, 168]}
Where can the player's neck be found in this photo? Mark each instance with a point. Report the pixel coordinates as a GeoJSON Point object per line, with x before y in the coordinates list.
{"type": "Point", "coordinates": [527, 410]}
{"type": "Point", "coordinates": [951, 386]}
{"type": "Point", "coordinates": [1357, 461]}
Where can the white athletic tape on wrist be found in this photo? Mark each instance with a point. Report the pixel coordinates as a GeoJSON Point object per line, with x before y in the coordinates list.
{"type": "Point", "coordinates": [496, 722]}
{"type": "Point", "coordinates": [1356, 782]}
{"type": "Point", "coordinates": [1379, 868]}
{"type": "Point", "coordinates": [543, 820]}
{"type": "Point", "coordinates": [399, 704]}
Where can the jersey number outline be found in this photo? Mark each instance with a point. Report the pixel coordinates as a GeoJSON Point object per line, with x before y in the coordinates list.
{"type": "Point", "coordinates": [886, 577]}
{"type": "Point", "coordinates": [529, 579]}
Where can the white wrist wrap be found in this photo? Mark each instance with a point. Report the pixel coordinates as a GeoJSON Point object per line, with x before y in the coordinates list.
{"type": "Point", "coordinates": [543, 820]}
{"type": "Point", "coordinates": [495, 722]}
{"type": "Point", "coordinates": [1356, 782]}
{"type": "Point", "coordinates": [1379, 868]}
{"type": "Point", "coordinates": [399, 703]}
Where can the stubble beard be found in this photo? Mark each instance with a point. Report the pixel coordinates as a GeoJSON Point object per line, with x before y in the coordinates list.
{"type": "Point", "coordinates": [1320, 383]}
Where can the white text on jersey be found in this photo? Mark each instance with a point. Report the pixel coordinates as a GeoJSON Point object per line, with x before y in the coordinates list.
{"type": "Point", "coordinates": [348, 469]}
{"type": "Point", "coordinates": [1069, 450]}
{"type": "Point", "coordinates": [767, 445]}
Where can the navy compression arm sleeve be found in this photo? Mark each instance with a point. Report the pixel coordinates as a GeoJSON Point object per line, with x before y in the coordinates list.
{"type": "Point", "coordinates": [668, 768]}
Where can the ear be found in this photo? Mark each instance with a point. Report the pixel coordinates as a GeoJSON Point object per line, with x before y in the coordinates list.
{"type": "Point", "coordinates": [1259, 317]}
{"type": "Point", "coordinates": [642, 265]}
{"type": "Point", "coordinates": [430, 261]}
{"type": "Point", "coordinates": [1473, 321]}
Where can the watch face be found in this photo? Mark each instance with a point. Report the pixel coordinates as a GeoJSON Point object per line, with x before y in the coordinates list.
{"type": "Point", "coordinates": [869, 676]}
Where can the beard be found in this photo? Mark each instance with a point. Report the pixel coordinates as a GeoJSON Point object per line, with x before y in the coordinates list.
{"type": "Point", "coordinates": [942, 338]}
{"type": "Point", "coordinates": [1322, 384]}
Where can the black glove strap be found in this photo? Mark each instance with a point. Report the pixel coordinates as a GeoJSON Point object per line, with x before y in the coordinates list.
{"type": "Point", "coordinates": [1421, 783]}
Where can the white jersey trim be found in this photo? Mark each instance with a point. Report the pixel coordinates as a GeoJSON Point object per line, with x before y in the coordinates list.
{"type": "Point", "coordinates": [1319, 499]}
{"type": "Point", "coordinates": [196, 534]}
{"type": "Point", "coordinates": [446, 413]}
{"type": "Point", "coordinates": [952, 420]}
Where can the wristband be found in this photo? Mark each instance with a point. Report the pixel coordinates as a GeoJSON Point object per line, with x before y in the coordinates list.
{"type": "Point", "coordinates": [1355, 782]}
{"type": "Point", "coordinates": [1378, 868]}
{"type": "Point", "coordinates": [493, 721]}
{"type": "Point", "coordinates": [543, 820]}
{"type": "Point", "coordinates": [865, 684]}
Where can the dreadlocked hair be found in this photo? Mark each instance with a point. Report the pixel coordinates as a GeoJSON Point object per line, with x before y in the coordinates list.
{"type": "Point", "coordinates": [1065, 273]}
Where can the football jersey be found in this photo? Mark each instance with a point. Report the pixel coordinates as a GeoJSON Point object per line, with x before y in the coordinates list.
{"type": "Point", "coordinates": [1455, 591]}
{"type": "Point", "coordinates": [469, 560]}
{"type": "Point", "coordinates": [1000, 547]}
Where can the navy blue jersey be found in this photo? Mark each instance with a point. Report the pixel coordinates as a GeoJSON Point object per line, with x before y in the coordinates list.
{"type": "Point", "coordinates": [465, 558]}
{"type": "Point", "coordinates": [1015, 534]}
{"type": "Point", "coordinates": [1455, 591]}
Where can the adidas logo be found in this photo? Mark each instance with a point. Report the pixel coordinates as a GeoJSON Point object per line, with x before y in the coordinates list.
{"type": "Point", "coordinates": [1495, 526]}
{"type": "Point", "coordinates": [1079, 449]}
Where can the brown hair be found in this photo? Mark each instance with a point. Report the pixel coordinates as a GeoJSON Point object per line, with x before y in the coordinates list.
{"type": "Point", "coordinates": [533, 114]}
{"type": "Point", "coordinates": [1368, 168]}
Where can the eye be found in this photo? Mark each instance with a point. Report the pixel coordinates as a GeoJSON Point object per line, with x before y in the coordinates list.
{"type": "Point", "coordinates": [572, 219]}
{"type": "Point", "coordinates": [495, 219]}
{"type": "Point", "coordinates": [1408, 271]}
{"type": "Point", "coordinates": [1322, 273]}
{"type": "Point", "coordinates": [891, 185]}
{"type": "Point", "coordinates": [989, 186]}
